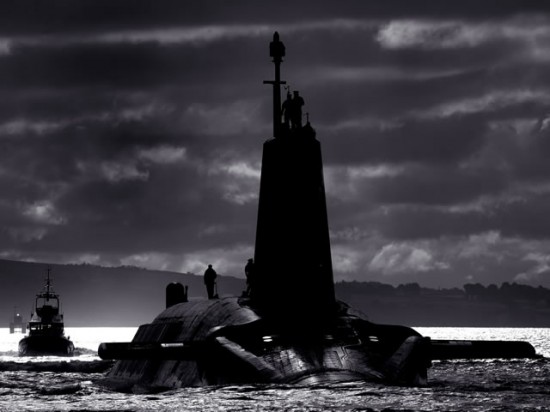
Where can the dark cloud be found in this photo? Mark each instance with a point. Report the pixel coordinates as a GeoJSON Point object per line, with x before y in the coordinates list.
{"type": "Point", "coordinates": [524, 219]}
{"type": "Point", "coordinates": [434, 141]}
{"type": "Point", "coordinates": [121, 65]}
{"type": "Point", "coordinates": [131, 132]}
{"type": "Point", "coordinates": [423, 223]}
{"type": "Point", "coordinates": [29, 16]}
{"type": "Point", "coordinates": [531, 157]}
{"type": "Point", "coordinates": [437, 186]}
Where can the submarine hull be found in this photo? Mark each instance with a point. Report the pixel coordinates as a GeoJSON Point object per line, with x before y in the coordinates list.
{"type": "Point", "coordinates": [226, 341]}
{"type": "Point", "coordinates": [46, 345]}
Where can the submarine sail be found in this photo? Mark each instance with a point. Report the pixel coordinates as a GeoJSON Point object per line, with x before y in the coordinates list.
{"type": "Point", "coordinates": [293, 266]}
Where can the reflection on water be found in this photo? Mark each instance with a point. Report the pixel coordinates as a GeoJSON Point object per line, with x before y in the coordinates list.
{"type": "Point", "coordinates": [538, 337]}
{"type": "Point", "coordinates": [39, 384]}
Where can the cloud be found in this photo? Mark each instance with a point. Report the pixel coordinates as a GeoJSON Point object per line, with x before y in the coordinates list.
{"type": "Point", "coordinates": [235, 118]}
{"type": "Point", "coordinates": [540, 270]}
{"type": "Point", "coordinates": [22, 235]}
{"type": "Point", "coordinates": [401, 258]}
{"type": "Point", "coordinates": [118, 171]}
{"type": "Point", "coordinates": [44, 212]}
{"type": "Point", "coordinates": [346, 260]}
{"type": "Point", "coordinates": [242, 169]}
{"type": "Point", "coordinates": [187, 34]}
{"type": "Point", "coordinates": [481, 244]}
{"type": "Point", "coordinates": [141, 112]}
{"type": "Point", "coordinates": [437, 141]}
{"type": "Point", "coordinates": [24, 126]}
{"type": "Point", "coordinates": [339, 74]}
{"type": "Point", "coordinates": [113, 171]}
{"type": "Point", "coordinates": [163, 154]}
{"type": "Point", "coordinates": [5, 46]}
{"type": "Point", "coordinates": [443, 185]}
{"type": "Point", "coordinates": [195, 36]}
{"type": "Point", "coordinates": [493, 101]}
{"type": "Point", "coordinates": [192, 35]}
{"type": "Point", "coordinates": [152, 260]}
{"type": "Point", "coordinates": [240, 181]}
{"type": "Point", "coordinates": [432, 34]}
{"type": "Point", "coordinates": [226, 261]}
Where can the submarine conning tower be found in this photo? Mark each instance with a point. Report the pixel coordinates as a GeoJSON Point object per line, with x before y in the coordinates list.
{"type": "Point", "coordinates": [293, 267]}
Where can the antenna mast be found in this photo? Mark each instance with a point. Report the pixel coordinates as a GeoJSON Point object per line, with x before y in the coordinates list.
{"type": "Point", "coordinates": [48, 284]}
{"type": "Point", "coordinates": [277, 51]}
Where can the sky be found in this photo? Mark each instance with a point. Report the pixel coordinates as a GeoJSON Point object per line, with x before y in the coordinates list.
{"type": "Point", "coordinates": [131, 133]}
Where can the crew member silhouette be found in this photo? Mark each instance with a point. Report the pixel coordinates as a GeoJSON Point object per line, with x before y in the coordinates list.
{"type": "Point", "coordinates": [210, 276]}
{"type": "Point", "coordinates": [286, 110]}
{"type": "Point", "coordinates": [249, 272]}
{"type": "Point", "coordinates": [296, 113]}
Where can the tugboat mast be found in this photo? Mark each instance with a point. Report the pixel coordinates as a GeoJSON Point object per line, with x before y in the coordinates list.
{"type": "Point", "coordinates": [48, 284]}
{"type": "Point", "coordinates": [277, 51]}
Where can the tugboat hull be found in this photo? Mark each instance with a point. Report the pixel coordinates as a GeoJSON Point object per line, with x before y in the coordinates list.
{"type": "Point", "coordinates": [46, 345]}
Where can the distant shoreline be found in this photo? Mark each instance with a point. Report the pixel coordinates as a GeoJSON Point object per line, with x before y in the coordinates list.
{"type": "Point", "coordinates": [95, 296]}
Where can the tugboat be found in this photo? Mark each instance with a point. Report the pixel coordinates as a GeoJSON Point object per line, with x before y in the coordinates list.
{"type": "Point", "coordinates": [288, 328]}
{"type": "Point", "coordinates": [46, 327]}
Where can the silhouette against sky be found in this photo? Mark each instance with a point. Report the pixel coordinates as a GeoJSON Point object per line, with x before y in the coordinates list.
{"type": "Point", "coordinates": [292, 258]}
{"type": "Point", "coordinates": [131, 133]}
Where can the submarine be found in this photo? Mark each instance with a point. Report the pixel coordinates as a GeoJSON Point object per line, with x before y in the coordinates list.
{"type": "Point", "coordinates": [46, 327]}
{"type": "Point", "coordinates": [288, 327]}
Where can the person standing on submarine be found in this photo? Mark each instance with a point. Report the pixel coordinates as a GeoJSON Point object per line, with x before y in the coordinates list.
{"type": "Point", "coordinates": [296, 110]}
{"type": "Point", "coordinates": [249, 273]}
{"type": "Point", "coordinates": [286, 110]}
{"type": "Point", "coordinates": [210, 276]}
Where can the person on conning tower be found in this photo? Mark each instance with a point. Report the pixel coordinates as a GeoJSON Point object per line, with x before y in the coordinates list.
{"type": "Point", "coordinates": [296, 112]}
{"type": "Point", "coordinates": [210, 276]}
{"type": "Point", "coordinates": [286, 110]}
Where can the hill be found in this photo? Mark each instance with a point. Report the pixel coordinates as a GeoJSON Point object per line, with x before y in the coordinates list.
{"type": "Point", "coordinates": [98, 296]}
{"type": "Point", "coordinates": [129, 296]}
{"type": "Point", "coordinates": [475, 305]}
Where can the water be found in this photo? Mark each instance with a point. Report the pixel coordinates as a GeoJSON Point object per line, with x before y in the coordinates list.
{"type": "Point", "coordinates": [59, 384]}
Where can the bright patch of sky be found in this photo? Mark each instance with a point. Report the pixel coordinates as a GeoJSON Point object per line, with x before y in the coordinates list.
{"type": "Point", "coordinates": [164, 154]}
{"type": "Point", "coordinates": [400, 257]}
{"type": "Point", "coordinates": [428, 34]}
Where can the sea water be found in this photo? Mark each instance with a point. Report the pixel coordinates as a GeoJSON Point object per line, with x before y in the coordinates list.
{"type": "Point", "coordinates": [70, 384]}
